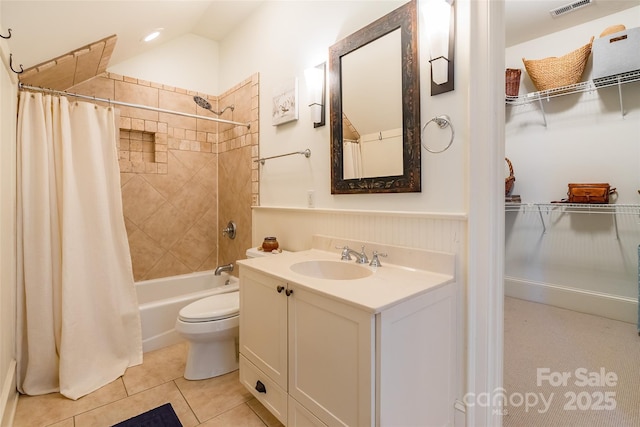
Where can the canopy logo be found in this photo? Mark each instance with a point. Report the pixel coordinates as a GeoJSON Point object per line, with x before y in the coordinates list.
{"type": "Point", "coordinates": [586, 400]}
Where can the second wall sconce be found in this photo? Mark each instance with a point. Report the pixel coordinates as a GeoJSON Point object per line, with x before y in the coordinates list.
{"type": "Point", "coordinates": [439, 19]}
{"type": "Point", "coordinates": [316, 77]}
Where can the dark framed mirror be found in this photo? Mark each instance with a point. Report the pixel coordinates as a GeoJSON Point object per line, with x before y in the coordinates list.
{"type": "Point", "coordinates": [375, 107]}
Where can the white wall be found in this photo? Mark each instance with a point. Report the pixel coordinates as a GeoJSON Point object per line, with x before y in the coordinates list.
{"type": "Point", "coordinates": [291, 45]}
{"type": "Point", "coordinates": [8, 82]}
{"type": "Point", "coordinates": [189, 62]}
{"type": "Point", "coordinates": [587, 140]}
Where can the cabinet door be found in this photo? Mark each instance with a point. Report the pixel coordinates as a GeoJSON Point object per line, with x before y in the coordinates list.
{"type": "Point", "coordinates": [298, 416]}
{"type": "Point", "coordinates": [418, 360]}
{"type": "Point", "coordinates": [331, 358]}
{"type": "Point", "coordinates": [263, 323]}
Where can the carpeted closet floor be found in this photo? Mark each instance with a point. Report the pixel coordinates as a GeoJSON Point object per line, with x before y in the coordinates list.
{"type": "Point", "coordinates": [564, 368]}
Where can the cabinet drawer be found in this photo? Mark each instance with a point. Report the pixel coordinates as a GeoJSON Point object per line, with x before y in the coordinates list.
{"type": "Point", "coordinates": [273, 398]}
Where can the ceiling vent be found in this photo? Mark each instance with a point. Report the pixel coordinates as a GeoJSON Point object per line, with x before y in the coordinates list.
{"type": "Point", "coordinates": [570, 7]}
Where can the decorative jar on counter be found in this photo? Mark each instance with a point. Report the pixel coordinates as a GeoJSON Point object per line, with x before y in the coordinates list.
{"type": "Point", "coordinates": [270, 244]}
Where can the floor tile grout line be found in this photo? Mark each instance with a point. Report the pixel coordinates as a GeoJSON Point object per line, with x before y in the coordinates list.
{"type": "Point", "coordinates": [186, 400]}
{"type": "Point", "coordinates": [73, 417]}
{"type": "Point", "coordinates": [253, 410]}
{"type": "Point", "coordinates": [121, 378]}
{"type": "Point", "coordinates": [229, 410]}
{"type": "Point", "coordinates": [128, 395]}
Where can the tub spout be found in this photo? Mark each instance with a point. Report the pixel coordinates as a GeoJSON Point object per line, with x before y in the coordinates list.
{"type": "Point", "coordinates": [221, 268]}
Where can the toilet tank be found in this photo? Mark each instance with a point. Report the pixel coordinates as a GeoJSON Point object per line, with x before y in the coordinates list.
{"type": "Point", "coordinates": [256, 253]}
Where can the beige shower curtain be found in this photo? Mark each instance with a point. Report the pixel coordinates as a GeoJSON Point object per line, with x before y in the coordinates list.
{"type": "Point", "coordinates": [78, 319]}
{"type": "Point", "coordinates": [352, 160]}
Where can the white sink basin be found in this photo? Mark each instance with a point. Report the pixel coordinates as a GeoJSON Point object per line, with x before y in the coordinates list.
{"type": "Point", "coordinates": [331, 270]}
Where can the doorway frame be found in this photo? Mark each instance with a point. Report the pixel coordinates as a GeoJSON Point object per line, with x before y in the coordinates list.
{"type": "Point", "coordinates": [485, 292]}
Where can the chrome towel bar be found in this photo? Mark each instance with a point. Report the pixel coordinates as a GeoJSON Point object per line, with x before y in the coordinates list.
{"type": "Point", "coordinates": [306, 153]}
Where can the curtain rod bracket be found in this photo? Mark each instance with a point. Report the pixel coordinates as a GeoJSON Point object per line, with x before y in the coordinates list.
{"type": "Point", "coordinates": [11, 65]}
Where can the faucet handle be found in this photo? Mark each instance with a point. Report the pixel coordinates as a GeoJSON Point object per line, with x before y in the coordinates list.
{"type": "Point", "coordinates": [345, 253]}
{"type": "Point", "coordinates": [363, 256]}
{"type": "Point", "coordinates": [375, 261]}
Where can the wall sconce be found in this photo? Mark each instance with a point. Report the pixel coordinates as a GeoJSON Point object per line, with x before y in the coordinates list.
{"type": "Point", "coordinates": [316, 77]}
{"type": "Point", "coordinates": [439, 19]}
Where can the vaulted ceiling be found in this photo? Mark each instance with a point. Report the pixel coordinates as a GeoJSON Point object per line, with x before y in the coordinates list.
{"type": "Point", "coordinates": [47, 29]}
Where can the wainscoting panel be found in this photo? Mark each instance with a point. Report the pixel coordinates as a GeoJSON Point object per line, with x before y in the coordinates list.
{"type": "Point", "coordinates": [433, 231]}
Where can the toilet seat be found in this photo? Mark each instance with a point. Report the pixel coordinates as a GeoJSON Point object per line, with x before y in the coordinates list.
{"type": "Point", "coordinates": [215, 307]}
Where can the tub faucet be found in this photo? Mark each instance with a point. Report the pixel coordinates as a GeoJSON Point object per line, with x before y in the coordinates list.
{"type": "Point", "coordinates": [221, 268]}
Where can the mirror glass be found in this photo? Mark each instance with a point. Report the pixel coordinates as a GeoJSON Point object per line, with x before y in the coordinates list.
{"type": "Point", "coordinates": [375, 107]}
{"type": "Point", "coordinates": [372, 119]}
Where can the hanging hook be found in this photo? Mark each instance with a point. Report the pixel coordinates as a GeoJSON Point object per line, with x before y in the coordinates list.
{"type": "Point", "coordinates": [11, 65]}
{"type": "Point", "coordinates": [7, 37]}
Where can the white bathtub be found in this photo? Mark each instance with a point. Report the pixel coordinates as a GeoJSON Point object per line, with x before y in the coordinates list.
{"type": "Point", "coordinates": [160, 300]}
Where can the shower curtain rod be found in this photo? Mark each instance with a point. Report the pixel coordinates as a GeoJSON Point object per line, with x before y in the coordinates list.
{"type": "Point", "coordinates": [22, 86]}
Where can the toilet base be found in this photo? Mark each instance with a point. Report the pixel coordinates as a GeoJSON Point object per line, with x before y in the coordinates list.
{"type": "Point", "coordinates": [211, 359]}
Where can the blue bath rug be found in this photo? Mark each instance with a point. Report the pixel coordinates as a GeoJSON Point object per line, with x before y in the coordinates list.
{"type": "Point", "coordinates": [162, 416]}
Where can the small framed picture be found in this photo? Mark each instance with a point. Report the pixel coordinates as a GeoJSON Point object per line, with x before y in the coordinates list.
{"type": "Point", "coordinates": [285, 102]}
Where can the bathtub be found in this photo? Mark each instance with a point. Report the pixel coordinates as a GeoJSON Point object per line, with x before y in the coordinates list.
{"type": "Point", "coordinates": [160, 300]}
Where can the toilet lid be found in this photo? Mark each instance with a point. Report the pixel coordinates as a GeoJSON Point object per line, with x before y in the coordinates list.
{"type": "Point", "coordinates": [215, 307]}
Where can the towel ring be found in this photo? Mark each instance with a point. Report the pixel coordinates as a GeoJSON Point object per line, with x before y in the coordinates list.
{"type": "Point", "coordinates": [442, 121]}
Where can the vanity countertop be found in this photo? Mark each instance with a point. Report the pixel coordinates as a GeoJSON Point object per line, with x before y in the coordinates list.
{"type": "Point", "coordinates": [387, 286]}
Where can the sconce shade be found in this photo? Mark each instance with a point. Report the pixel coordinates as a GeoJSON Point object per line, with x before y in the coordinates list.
{"type": "Point", "coordinates": [438, 18]}
{"type": "Point", "coordinates": [315, 78]}
{"type": "Point", "coordinates": [316, 113]}
{"type": "Point", "coordinates": [440, 70]}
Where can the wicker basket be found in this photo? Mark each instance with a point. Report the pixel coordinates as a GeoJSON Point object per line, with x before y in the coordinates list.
{"type": "Point", "coordinates": [553, 72]}
{"type": "Point", "coordinates": [508, 181]}
{"type": "Point", "coordinates": [512, 81]}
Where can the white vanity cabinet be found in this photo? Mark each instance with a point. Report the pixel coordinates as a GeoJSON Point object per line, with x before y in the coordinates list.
{"type": "Point", "coordinates": [263, 342]}
{"type": "Point", "coordinates": [310, 347]}
{"type": "Point", "coordinates": [313, 359]}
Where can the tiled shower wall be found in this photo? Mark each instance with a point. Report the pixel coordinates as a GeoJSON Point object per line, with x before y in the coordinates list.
{"type": "Point", "coordinates": [183, 179]}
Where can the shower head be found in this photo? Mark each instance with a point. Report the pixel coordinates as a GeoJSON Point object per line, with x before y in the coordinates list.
{"type": "Point", "coordinates": [202, 102]}
{"type": "Point", "coordinates": [206, 105]}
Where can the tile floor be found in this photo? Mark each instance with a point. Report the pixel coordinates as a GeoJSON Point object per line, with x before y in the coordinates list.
{"type": "Point", "coordinates": [219, 401]}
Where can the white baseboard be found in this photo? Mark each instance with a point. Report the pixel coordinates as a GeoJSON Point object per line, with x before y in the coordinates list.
{"type": "Point", "coordinates": [459, 414]}
{"type": "Point", "coordinates": [609, 306]}
{"type": "Point", "coordinates": [8, 396]}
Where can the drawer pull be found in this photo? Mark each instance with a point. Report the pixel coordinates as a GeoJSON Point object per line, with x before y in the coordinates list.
{"type": "Point", "coordinates": [260, 387]}
{"type": "Point", "coordinates": [288, 292]}
{"type": "Point", "coordinates": [280, 289]}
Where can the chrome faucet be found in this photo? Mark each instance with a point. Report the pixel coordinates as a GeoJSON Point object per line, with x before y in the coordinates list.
{"type": "Point", "coordinates": [221, 268]}
{"type": "Point", "coordinates": [375, 261]}
{"type": "Point", "coordinates": [361, 257]}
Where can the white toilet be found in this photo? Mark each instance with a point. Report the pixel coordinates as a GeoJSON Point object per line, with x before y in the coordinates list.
{"type": "Point", "coordinates": [211, 325]}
